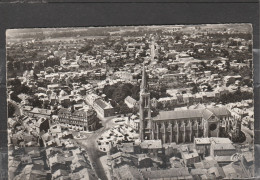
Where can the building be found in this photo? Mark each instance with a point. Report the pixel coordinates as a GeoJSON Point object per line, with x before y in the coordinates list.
{"type": "Point", "coordinates": [103, 108]}
{"type": "Point", "coordinates": [130, 102]}
{"type": "Point", "coordinates": [189, 155]}
{"type": "Point", "coordinates": [145, 129]}
{"type": "Point", "coordinates": [86, 120]}
{"type": "Point", "coordinates": [42, 125]}
{"type": "Point", "coordinates": [182, 125]}
{"type": "Point", "coordinates": [64, 101]}
{"type": "Point", "coordinates": [53, 87]}
{"type": "Point", "coordinates": [38, 112]}
{"type": "Point", "coordinates": [134, 122]}
{"type": "Point", "coordinates": [124, 75]}
{"type": "Point", "coordinates": [151, 146]}
{"type": "Point", "coordinates": [202, 145]}
{"type": "Point", "coordinates": [221, 150]}
{"type": "Point", "coordinates": [135, 46]}
{"type": "Point", "coordinates": [172, 173]}
{"type": "Point", "coordinates": [91, 98]}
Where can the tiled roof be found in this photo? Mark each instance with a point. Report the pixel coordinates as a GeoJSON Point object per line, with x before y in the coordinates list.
{"type": "Point", "coordinates": [129, 172]}
{"type": "Point", "coordinates": [223, 146]}
{"type": "Point", "coordinates": [103, 104]}
{"type": "Point", "coordinates": [41, 111]}
{"type": "Point", "coordinates": [192, 113]}
{"type": "Point", "coordinates": [167, 173]}
{"type": "Point", "coordinates": [151, 144]}
{"type": "Point", "coordinates": [183, 114]}
{"type": "Point", "coordinates": [130, 100]}
{"type": "Point", "coordinates": [64, 111]}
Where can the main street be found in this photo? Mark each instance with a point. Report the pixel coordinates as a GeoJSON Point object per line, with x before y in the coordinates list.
{"type": "Point", "coordinates": [90, 145]}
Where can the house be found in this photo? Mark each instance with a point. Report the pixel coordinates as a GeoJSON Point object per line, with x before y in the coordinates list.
{"type": "Point", "coordinates": [231, 79]}
{"type": "Point", "coordinates": [42, 125]}
{"type": "Point", "coordinates": [134, 122]}
{"type": "Point", "coordinates": [91, 98]}
{"type": "Point", "coordinates": [124, 75]}
{"type": "Point", "coordinates": [170, 149]}
{"type": "Point", "coordinates": [202, 146]}
{"type": "Point", "coordinates": [60, 173]}
{"type": "Point", "coordinates": [127, 172]}
{"type": "Point", "coordinates": [38, 112]}
{"type": "Point", "coordinates": [130, 102]}
{"type": "Point", "coordinates": [152, 147]}
{"type": "Point", "coordinates": [57, 162]}
{"type": "Point", "coordinates": [53, 87]}
{"type": "Point", "coordinates": [64, 101]}
{"type": "Point", "coordinates": [189, 155]}
{"type": "Point", "coordinates": [222, 147]}
{"type": "Point", "coordinates": [172, 173]}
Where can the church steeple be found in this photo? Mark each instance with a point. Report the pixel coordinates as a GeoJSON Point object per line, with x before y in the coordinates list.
{"type": "Point", "coordinates": [145, 128]}
{"type": "Point", "coordinates": [144, 84]}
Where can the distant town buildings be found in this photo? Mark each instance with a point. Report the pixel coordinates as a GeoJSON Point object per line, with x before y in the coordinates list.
{"type": "Point", "coordinates": [163, 102]}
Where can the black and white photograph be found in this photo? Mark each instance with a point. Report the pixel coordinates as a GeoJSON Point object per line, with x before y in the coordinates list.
{"type": "Point", "coordinates": [130, 102]}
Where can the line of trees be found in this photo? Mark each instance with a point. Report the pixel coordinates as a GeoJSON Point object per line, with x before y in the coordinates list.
{"type": "Point", "coordinates": [237, 96]}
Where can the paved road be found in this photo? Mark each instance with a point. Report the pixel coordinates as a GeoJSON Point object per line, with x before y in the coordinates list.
{"type": "Point", "coordinates": [90, 145]}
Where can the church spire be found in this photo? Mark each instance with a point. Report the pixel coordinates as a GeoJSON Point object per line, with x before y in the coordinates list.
{"type": "Point", "coordinates": [144, 85]}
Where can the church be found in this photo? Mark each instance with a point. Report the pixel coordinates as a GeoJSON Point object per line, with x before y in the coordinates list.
{"type": "Point", "coordinates": [183, 126]}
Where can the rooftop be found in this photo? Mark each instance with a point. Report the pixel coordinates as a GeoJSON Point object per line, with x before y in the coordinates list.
{"type": "Point", "coordinates": [151, 144]}
{"type": "Point", "coordinates": [167, 173]}
{"type": "Point", "coordinates": [192, 113]}
{"type": "Point", "coordinates": [202, 140]}
{"type": "Point", "coordinates": [103, 104]}
{"type": "Point", "coordinates": [41, 111]}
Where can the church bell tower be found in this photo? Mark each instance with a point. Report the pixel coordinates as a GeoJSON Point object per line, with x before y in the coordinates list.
{"type": "Point", "coordinates": [145, 127]}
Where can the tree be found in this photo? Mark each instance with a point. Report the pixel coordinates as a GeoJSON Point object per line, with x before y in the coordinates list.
{"type": "Point", "coordinates": [86, 48]}
{"type": "Point", "coordinates": [177, 38]}
{"type": "Point", "coordinates": [155, 112]}
{"type": "Point", "coordinates": [203, 64]}
{"type": "Point", "coordinates": [124, 109]}
{"type": "Point", "coordinates": [35, 76]}
{"type": "Point", "coordinates": [248, 82]}
{"type": "Point", "coordinates": [154, 94]}
{"type": "Point", "coordinates": [10, 66]}
{"type": "Point", "coordinates": [35, 102]}
{"type": "Point", "coordinates": [11, 109]}
{"type": "Point", "coordinates": [209, 88]}
{"type": "Point", "coordinates": [228, 65]}
{"type": "Point", "coordinates": [160, 106]}
{"type": "Point", "coordinates": [195, 88]}
{"type": "Point", "coordinates": [15, 98]}
{"type": "Point", "coordinates": [16, 82]}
